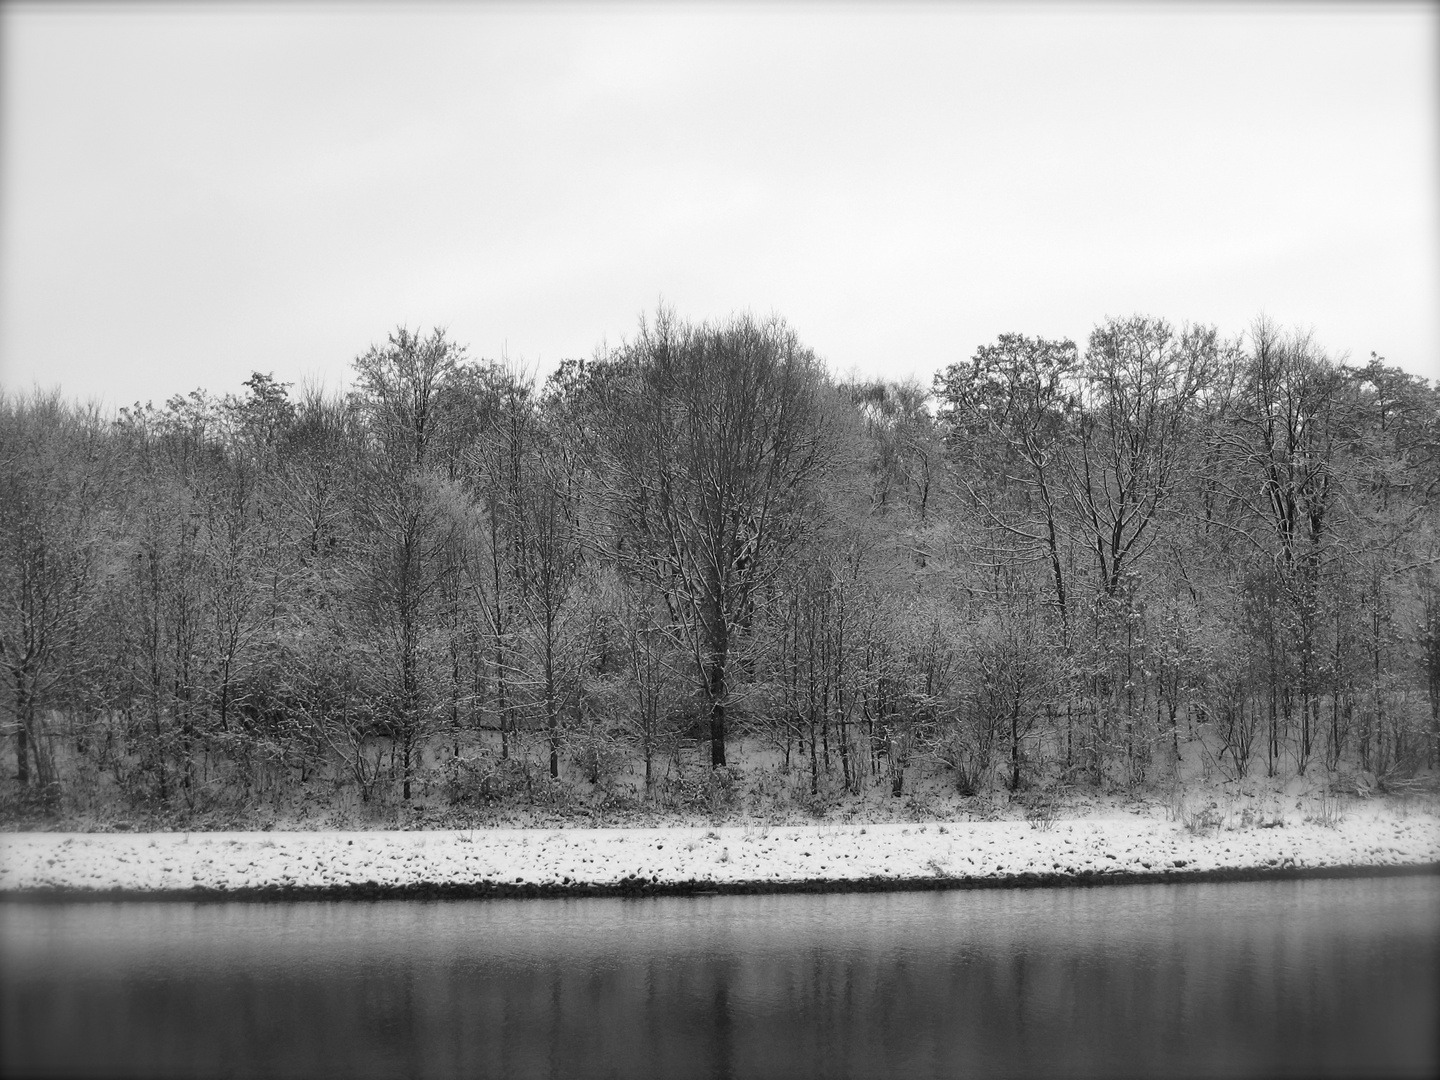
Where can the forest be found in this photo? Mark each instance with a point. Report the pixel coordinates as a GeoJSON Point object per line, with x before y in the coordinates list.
{"type": "Point", "coordinates": [700, 564]}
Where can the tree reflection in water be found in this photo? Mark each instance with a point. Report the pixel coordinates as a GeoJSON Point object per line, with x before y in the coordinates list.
{"type": "Point", "coordinates": [1300, 978]}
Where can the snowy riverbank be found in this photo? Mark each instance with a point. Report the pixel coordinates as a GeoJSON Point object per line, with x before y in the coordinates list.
{"type": "Point", "coordinates": [678, 860]}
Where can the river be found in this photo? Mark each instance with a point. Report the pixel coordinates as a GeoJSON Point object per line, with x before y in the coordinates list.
{"type": "Point", "coordinates": [1297, 978]}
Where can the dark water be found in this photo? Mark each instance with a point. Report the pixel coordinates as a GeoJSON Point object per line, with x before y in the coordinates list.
{"type": "Point", "coordinates": [1299, 978]}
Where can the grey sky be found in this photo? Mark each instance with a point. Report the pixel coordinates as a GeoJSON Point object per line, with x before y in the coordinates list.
{"type": "Point", "coordinates": [194, 192]}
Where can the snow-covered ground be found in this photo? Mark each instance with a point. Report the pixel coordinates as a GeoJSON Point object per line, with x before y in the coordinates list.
{"type": "Point", "coordinates": [722, 858]}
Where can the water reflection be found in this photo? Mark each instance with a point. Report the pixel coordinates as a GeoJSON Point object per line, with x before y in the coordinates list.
{"type": "Point", "coordinates": [1298, 978]}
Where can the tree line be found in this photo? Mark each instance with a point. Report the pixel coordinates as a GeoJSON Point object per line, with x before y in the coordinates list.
{"type": "Point", "coordinates": [1053, 565]}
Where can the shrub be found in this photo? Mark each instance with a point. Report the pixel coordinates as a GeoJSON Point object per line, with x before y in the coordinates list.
{"type": "Point", "coordinates": [1041, 809]}
{"type": "Point", "coordinates": [970, 757]}
{"type": "Point", "coordinates": [598, 755]}
{"type": "Point", "coordinates": [1329, 811]}
{"type": "Point", "coordinates": [485, 777]}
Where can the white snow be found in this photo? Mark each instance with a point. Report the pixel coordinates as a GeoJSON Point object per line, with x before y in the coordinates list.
{"type": "Point", "coordinates": [729, 856]}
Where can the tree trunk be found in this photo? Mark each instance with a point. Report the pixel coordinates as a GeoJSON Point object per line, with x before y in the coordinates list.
{"type": "Point", "coordinates": [715, 691]}
{"type": "Point", "coordinates": [551, 713]}
{"type": "Point", "coordinates": [22, 756]}
{"type": "Point", "coordinates": [716, 654]}
{"type": "Point", "coordinates": [1015, 742]}
{"type": "Point", "coordinates": [22, 739]}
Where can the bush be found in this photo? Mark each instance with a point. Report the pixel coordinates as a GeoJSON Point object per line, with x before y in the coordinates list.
{"type": "Point", "coordinates": [486, 778]}
{"type": "Point", "coordinates": [1198, 820]}
{"type": "Point", "coordinates": [1041, 809]}
{"type": "Point", "coordinates": [599, 755]}
{"type": "Point", "coordinates": [31, 803]}
{"type": "Point", "coordinates": [713, 791]}
{"type": "Point", "coordinates": [1329, 810]}
{"type": "Point", "coordinates": [969, 757]}
{"type": "Point", "coordinates": [768, 791]}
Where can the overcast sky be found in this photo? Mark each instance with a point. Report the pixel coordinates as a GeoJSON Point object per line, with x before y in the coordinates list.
{"type": "Point", "coordinates": [191, 193]}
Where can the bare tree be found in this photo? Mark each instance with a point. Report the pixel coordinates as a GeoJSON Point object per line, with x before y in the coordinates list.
{"type": "Point", "coordinates": [1010, 411]}
{"type": "Point", "coordinates": [405, 393]}
{"type": "Point", "coordinates": [1139, 382]}
{"type": "Point", "coordinates": [712, 433]}
{"type": "Point", "coordinates": [1283, 448]}
{"type": "Point", "coordinates": [52, 480]}
{"type": "Point", "coordinates": [547, 560]}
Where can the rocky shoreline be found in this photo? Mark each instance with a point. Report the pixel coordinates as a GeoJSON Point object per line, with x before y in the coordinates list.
{"type": "Point", "coordinates": [500, 890]}
{"type": "Point", "coordinates": [694, 861]}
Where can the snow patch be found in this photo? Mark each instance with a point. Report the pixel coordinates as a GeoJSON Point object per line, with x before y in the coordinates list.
{"type": "Point", "coordinates": [721, 856]}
